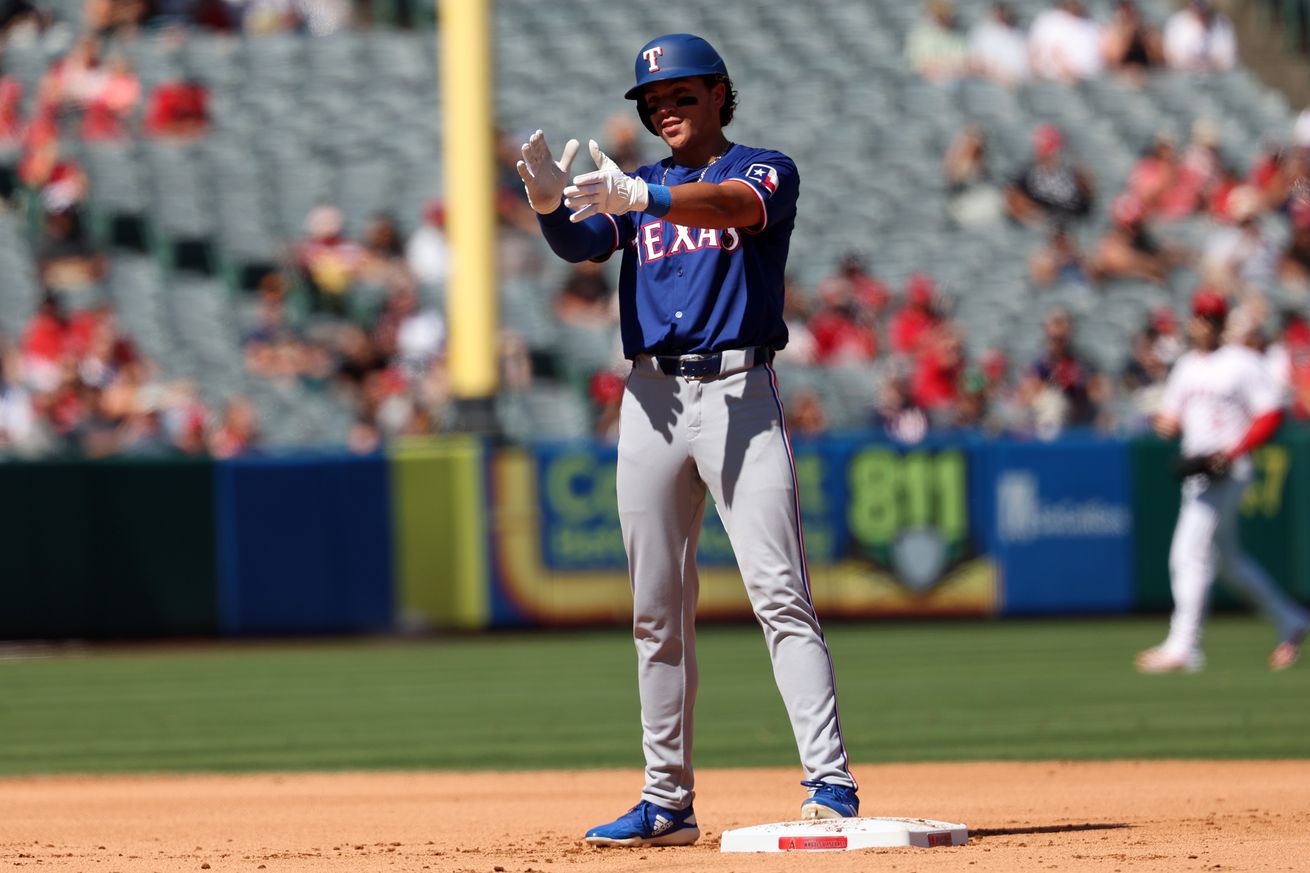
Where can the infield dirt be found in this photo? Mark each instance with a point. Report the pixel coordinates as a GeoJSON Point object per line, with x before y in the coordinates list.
{"type": "Point", "coordinates": [1128, 817]}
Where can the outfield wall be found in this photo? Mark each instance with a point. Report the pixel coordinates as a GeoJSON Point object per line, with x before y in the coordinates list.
{"type": "Point", "coordinates": [455, 534]}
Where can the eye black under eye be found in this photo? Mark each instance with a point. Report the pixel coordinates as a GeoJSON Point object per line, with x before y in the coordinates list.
{"type": "Point", "coordinates": [686, 100]}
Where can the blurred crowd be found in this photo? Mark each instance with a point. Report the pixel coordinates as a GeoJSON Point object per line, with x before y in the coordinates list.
{"type": "Point", "coordinates": [384, 338]}
{"type": "Point", "coordinates": [23, 20]}
{"type": "Point", "coordinates": [73, 381]}
{"type": "Point", "coordinates": [1065, 43]}
{"type": "Point", "coordinates": [361, 317]}
{"type": "Point", "coordinates": [1256, 215]}
{"type": "Point", "coordinates": [77, 384]}
{"type": "Point", "coordinates": [927, 381]}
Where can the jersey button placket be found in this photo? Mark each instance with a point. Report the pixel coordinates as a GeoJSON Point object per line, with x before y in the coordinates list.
{"type": "Point", "coordinates": [681, 298]}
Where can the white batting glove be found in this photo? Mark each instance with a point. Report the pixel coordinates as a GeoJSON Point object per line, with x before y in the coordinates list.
{"type": "Point", "coordinates": [608, 189]}
{"type": "Point", "coordinates": [542, 176]}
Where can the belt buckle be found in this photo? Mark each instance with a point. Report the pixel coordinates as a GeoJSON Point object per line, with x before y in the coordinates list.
{"type": "Point", "coordinates": [694, 359]}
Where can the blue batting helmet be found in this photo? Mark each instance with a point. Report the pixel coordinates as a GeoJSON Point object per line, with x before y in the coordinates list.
{"type": "Point", "coordinates": [673, 56]}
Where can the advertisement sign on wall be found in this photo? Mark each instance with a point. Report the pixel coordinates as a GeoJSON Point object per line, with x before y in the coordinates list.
{"type": "Point", "coordinates": [1064, 526]}
{"type": "Point", "coordinates": [888, 531]}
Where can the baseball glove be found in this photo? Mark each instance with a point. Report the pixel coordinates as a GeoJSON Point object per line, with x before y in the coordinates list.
{"type": "Point", "coordinates": [1212, 466]}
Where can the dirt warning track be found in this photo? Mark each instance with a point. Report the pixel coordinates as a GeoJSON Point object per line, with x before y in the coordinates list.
{"type": "Point", "coordinates": [1130, 817]}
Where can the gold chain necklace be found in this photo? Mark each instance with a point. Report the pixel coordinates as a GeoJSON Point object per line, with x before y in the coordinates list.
{"type": "Point", "coordinates": [701, 178]}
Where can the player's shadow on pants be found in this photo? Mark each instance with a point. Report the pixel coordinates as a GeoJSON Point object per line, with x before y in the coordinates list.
{"type": "Point", "coordinates": [983, 833]}
{"type": "Point", "coordinates": [748, 418]}
{"type": "Point", "coordinates": [658, 398]}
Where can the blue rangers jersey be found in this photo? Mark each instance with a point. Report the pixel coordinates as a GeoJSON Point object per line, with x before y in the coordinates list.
{"type": "Point", "coordinates": [685, 290]}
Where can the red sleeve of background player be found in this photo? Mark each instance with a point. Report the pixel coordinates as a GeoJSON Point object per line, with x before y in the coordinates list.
{"type": "Point", "coordinates": [1260, 432]}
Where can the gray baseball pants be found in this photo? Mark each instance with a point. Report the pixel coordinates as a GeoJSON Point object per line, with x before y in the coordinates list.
{"type": "Point", "coordinates": [1205, 544]}
{"type": "Point", "coordinates": [678, 440]}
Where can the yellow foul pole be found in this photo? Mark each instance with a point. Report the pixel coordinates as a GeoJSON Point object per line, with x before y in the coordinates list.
{"type": "Point", "coordinates": [465, 68]}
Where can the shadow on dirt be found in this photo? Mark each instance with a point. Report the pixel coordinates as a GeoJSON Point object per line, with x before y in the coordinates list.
{"type": "Point", "coordinates": [983, 833]}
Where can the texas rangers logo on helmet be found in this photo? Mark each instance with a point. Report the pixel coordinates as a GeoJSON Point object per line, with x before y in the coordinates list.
{"type": "Point", "coordinates": [652, 56]}
{"type": "Point", "coordinates": [764, 176]}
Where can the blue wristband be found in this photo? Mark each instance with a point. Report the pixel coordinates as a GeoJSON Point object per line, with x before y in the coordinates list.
{"type": "Point", "coordinates": [659, 200]}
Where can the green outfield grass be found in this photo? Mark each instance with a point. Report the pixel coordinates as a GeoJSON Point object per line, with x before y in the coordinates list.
{"type": "Point", "coordinates": [910, 692]}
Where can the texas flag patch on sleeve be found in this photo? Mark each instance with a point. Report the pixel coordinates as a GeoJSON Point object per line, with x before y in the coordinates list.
{"type": "Point", "coordinates": [764, 176]}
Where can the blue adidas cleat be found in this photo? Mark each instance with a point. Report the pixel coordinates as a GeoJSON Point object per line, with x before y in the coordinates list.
{"type": "Point", "coordinates": [830, 801]}
{"type": "Point", "coordinates": [647, 825]}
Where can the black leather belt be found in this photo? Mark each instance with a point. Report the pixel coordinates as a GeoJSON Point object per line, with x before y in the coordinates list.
{"type": "Point", "coordinates": [713, 364]}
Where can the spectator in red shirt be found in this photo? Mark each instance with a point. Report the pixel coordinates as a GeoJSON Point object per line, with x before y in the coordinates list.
{"type": "Point", "coordinates": [1155, 172]}
{"type": "Point", "coordinates": [935, 385]}
{"type": "Point", "coordinates": [842, 334]}
{"type": "Point", "coordinates": [1272, 172]}
{"type": "Point", "coordinates": [44, 345]}
{"type": "Point", "coordinates": [606, 392]}
{"type": "Point", "coordinates": [869, 294]}
{"type": "Point", "coordinates": [910, 325]}
{"type": "Point", "coordinates": [1171, 185]}
{"type": "Point", "coordinates": [77, 78]}
{"type": "Point", "coordinates": [11, 111]}
{"type": "Point", "coordinates": [107, 113]}
{"type": "Point", "coordinates": [52, 334]}
{"type": "Point", "coordinates": [1217, 203]}
{"type": "Point", "coordinates": [1265, 165]}
{"type": "Point", "coordinates": [88, 327]}
{"type": "Point", "coordinates": [178, 110]}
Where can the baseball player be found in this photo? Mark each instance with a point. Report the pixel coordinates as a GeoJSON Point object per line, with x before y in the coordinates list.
{"type": "Point", "coordinates": [704, 235]}
{"type": "Point", "coordinates": [1225, 403]}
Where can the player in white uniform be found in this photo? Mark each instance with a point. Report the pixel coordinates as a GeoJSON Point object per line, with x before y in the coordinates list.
{"type": "Point", "coordinates": [1224, 401]}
